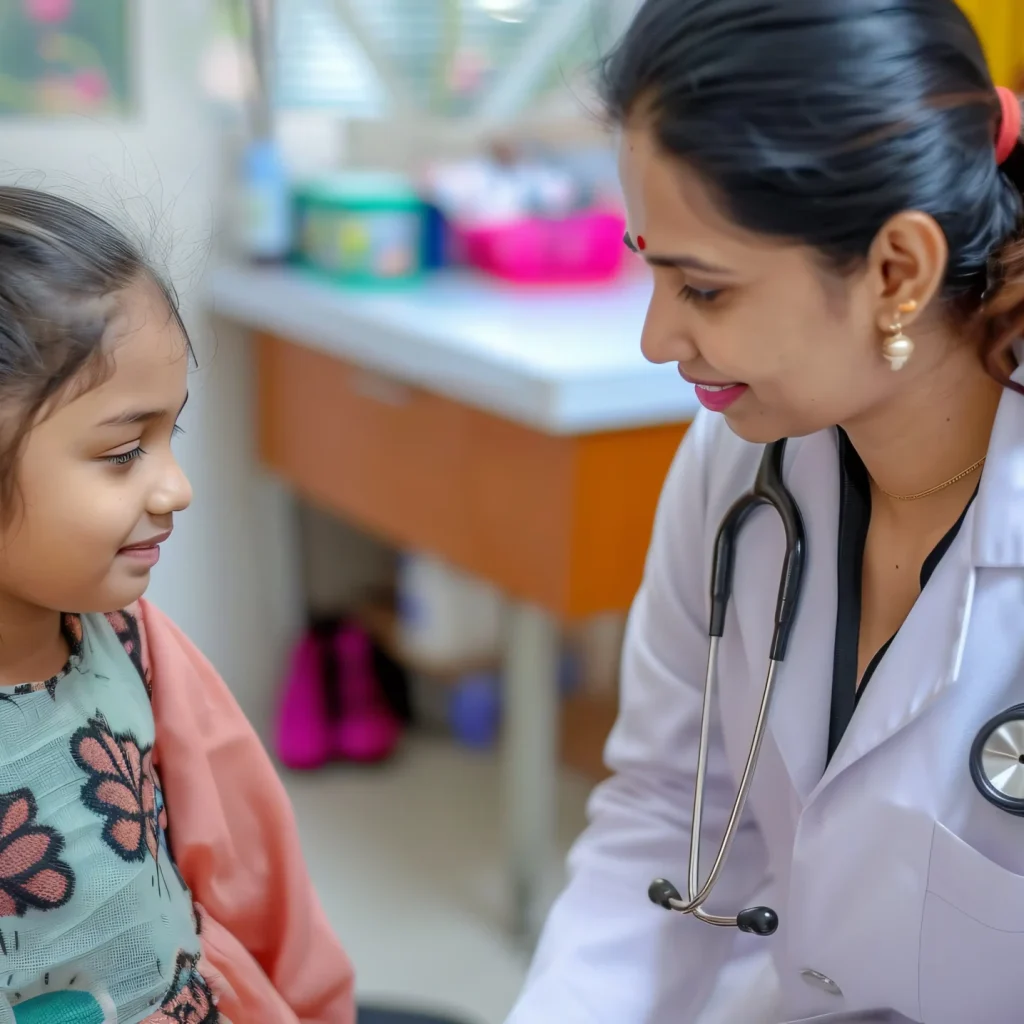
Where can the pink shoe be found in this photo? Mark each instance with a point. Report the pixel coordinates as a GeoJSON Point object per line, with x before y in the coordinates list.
{"type": "Point", "coordinates": [303, 732]}
{"type": "Point", "coordinates": [366, 729]}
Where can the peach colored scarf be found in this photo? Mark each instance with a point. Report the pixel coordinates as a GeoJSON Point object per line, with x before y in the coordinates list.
{"type": "Point", "coordinates": [268, 952]}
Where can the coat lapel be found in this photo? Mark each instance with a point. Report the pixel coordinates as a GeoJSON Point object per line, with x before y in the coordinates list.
{"type": "Point", "coordinates": [922, 662]}
{"type": "Point", "coordinates": [925, 658]}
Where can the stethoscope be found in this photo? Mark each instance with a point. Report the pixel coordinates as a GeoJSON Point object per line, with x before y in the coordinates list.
{"type": "Point", "coordinates": [997, 761]}
{"type": "Point", "coordinates": [997, 755]}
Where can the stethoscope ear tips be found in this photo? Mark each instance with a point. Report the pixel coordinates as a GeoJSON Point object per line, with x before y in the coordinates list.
{"type": "Point", "coordinates": [758, 921]}
{"type": "Point", "coordinates": [661, 893]}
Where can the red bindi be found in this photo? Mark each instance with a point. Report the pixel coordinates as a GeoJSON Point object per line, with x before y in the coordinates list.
{"type": "Point", "coordinates": [641, 242]}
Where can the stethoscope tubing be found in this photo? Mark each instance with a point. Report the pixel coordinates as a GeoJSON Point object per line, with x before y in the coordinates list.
{"type": "Point", "coordinates": [696, 894]}
{"type": "Point", "coordinates": [769, 489]}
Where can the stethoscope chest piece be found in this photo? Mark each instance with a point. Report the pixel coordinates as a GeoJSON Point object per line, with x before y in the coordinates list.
{"type": "Point", "coordinates": [997, 761]}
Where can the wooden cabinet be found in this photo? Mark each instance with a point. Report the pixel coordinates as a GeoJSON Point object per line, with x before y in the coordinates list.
{"type": "Point", "coordinates": [559, 522]}
{"type": "Point", "coordinates": [1000, 23]}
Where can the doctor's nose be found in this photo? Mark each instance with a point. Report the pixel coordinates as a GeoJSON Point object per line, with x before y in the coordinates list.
{"type": "Point", "coordinates": [667, 346]}
{"type": "Point", "coordinates": [664, 338]}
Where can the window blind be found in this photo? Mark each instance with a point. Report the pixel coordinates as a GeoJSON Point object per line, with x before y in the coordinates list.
{"type": "Point", "coordinates": [319, 65]}
{"type": "Point", "coordinates": [444, 53]}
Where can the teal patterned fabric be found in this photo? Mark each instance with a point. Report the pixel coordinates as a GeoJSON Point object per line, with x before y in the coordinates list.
{"type": "Point", "coordinates": [96, 924]}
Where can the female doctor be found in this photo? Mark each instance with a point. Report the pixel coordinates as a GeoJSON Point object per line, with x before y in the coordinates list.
{"type": "Point", "coordinates": [829, 194]}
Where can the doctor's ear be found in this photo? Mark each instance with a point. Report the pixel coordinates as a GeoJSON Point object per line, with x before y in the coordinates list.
{"type": "Point", "coordinates": [908, 261]}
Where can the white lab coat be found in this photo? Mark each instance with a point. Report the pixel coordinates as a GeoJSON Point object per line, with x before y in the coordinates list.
{"type": "Point", "coordinates": [893, 877]}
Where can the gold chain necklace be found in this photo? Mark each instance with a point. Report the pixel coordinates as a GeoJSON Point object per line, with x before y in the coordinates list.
{"type": "Point", "coordinates": [934, 490]}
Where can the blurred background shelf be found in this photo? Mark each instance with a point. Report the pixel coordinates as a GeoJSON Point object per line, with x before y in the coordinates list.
{"type": "Point", "coordinates": [380, 619]}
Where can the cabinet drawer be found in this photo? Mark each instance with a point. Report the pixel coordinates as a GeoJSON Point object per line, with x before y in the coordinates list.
{"type": "Point", "coordinates": [562, 522]}
{"type": "Point", "coordinates": [421, 471]}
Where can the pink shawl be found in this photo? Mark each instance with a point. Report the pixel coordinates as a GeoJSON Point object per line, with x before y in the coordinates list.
{"type": "Point", "coordinates": [268, 952]}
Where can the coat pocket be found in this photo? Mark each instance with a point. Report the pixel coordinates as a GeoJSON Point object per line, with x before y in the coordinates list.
{"type": "Point", "coordinates": [972, 937]}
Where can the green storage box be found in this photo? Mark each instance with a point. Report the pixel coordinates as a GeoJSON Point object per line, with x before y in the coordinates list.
{"type": "Point", "coordinates": [361, 228]}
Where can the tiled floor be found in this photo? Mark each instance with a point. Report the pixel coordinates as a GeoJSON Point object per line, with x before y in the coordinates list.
{"type": "Point", "coordinates": [407, 860]}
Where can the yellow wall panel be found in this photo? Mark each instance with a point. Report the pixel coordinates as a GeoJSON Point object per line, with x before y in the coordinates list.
{"type": "Point", "coordinates": [1000, 23]}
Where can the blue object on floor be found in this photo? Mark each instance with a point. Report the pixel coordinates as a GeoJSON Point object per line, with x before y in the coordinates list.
{"type": "Point", "coordinates": [474, 710]}
{"type": "Point", "coordinates": [370, 1015]}
{"type": "Point", "coordinates": [474, 706]}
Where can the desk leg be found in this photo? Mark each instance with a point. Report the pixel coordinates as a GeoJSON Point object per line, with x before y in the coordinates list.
{"type": "Point", "coordinates": [530, 753]}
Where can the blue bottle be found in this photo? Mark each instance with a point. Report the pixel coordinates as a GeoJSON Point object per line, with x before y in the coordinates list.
{"type": "Point", "coordinates": [267, 205]}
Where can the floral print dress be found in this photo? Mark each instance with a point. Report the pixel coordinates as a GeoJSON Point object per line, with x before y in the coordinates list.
{"type": "Point", "coordinates": [96, 924]}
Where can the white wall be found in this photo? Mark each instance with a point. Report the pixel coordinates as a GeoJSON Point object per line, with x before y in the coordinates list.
{"type": "Point", "coordinates": [229, 576]}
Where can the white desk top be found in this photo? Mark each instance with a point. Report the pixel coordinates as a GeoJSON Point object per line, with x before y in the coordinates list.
{"type": "Point", "coordinates": [560, 361]}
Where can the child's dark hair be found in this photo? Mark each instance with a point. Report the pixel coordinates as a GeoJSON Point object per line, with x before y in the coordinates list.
{"type": "Point", "coordinates": [818, 120]}
{"type": "Point", "coordinates": [60, 267]}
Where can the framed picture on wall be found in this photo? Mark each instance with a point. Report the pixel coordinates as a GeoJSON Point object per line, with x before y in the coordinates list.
{"type": "Point", "coordinates": [65, 57]}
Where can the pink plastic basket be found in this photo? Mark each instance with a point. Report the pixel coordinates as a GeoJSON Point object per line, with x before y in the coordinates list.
{"type": "Point", "coordinates": [583, 247]}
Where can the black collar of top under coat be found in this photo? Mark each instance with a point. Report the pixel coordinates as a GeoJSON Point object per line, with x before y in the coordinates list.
{"type": "Point", "coordinates": [854, 519]}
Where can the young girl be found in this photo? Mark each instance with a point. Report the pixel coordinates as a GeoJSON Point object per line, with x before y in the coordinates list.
{"type": "Point", "coordinates": [149, 864]}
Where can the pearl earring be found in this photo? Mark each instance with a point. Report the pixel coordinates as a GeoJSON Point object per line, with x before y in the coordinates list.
{"type": "Point", "coordinates": [899, 348]}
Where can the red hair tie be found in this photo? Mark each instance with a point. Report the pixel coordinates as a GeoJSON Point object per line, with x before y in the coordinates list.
{"type": "Point", "coordinates": [1008, 138]}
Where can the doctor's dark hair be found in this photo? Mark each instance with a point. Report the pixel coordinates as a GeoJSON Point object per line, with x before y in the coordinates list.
{"type": "Point", "coordinates": [61, 269]}
{"type": "Point", "coordinates": [818, 120]}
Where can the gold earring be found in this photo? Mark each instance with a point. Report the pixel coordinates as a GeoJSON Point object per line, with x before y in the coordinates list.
{"type": "Point", "coordinates": [899, 348]}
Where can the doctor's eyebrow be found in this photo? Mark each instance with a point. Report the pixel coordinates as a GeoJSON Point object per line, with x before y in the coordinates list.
{"type": "Point", "coordinates": [677, 262]}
